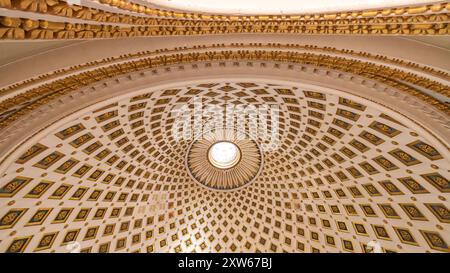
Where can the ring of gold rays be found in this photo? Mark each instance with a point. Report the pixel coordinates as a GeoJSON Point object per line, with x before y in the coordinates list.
{"type": "Point", "coordinates": [224, 159]}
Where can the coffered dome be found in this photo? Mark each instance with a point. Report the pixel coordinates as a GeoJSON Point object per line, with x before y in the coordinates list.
{"type": "Point", "coordinates": [343, 163]}
{"type": "Point", "coordinates": [131, 130]}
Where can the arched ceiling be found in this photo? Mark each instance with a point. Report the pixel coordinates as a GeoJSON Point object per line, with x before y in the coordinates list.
{"type": "Point", "coordinates": [88, 152]}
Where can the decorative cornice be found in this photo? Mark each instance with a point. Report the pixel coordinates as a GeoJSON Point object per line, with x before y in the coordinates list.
{"type": "Point", "coordinates": [395, 78]}
{"type": "Point", "coordinates": [60, 8]}
{"type": "Point", "coordinates": [101, 24]}
{"type": "Point", "coordinates": [234, 46]}
{"type": "Point", "coordinates": [28, 29]}
{"type": "Point", "coordinates": [395, 11]}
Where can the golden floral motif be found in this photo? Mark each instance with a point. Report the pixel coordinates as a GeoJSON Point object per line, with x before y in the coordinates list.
{"type": "Point", "coordinates": [84, 31]}
{"type": "Point", "coordinates": [71, 11]}
{"type": "Point", "coordinates": [36, 5]}
{"type": "Point", "coordinates": [14, 186]}
{"type": "Point", "coordinates": [126, 5]}
{"type": "Point", "coordinates": [174, 23]}
{"type": "Point", "coordinates": [18, 245]}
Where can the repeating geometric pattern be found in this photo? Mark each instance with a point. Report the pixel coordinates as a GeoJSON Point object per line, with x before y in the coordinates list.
{"type": "Point", "coordinates": [113, 179]}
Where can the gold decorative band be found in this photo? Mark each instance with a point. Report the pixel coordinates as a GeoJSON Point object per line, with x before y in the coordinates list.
{"type": "Point", "coordinates": [20, 29]}
{"type": "Point", "coordinates": [146, 10]}
{"type": "Point", "coordinates": [400, 80]}
{"type": "Point", "coordinates": [60, 8]}
{"type": "Point", "coordinates": [345, 52]}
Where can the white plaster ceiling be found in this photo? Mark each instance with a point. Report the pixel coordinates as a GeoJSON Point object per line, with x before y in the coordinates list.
{"type": "Point", "coordinates": [280, 7]}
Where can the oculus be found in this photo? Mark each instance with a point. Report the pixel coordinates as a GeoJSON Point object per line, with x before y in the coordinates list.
{"type": "Point", "coordinates": [224, 159]}
{"type": "Point", "coordinates": [224, 154]}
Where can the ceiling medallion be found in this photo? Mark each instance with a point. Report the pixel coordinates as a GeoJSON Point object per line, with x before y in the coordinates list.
{"type": "Point", "coordinates": [224, 159]}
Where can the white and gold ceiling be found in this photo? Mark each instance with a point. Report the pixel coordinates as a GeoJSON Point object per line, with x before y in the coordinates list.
{"type": "Point", "coordinates": [87, 152]}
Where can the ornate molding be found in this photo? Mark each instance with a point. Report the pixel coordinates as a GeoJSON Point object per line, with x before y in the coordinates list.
{"type": "Point", "coordinates": [28, 29]}
{"type": "Point", "coordinates": [395, 78]}
{"type": "Point", "coordinates": [60, 8]}
{"type": "Point", "coordinates": [148, 10]}
{"type": "Point", "coordinates": [234, 46]}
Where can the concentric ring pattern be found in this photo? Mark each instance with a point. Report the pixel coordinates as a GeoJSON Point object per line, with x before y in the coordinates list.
{"type": "Point", "coordinates": [112, 177]}
{"type": "Point", "coordinates": [245, 170]}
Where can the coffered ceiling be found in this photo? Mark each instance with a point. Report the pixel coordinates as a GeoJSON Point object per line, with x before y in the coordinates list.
{"type": "Point", "coordinates": [90, 158]}
{"type": "Point", "coordinates": [113, 177]}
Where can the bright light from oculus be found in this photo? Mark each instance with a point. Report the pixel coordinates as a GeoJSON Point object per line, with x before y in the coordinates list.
{"type": "Point", "coordinates": [224, 154]}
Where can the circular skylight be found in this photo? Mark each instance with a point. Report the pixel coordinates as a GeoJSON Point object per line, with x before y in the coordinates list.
{"type": "Point", "coordinates": [224, 154]}
{"type": "Point", "coordinates": [224, 159]}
